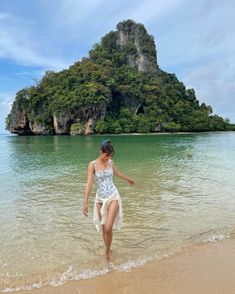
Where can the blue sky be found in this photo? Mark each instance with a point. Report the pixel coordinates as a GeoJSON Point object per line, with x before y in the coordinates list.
{"type": "Point", "coordinates": [194, 39]}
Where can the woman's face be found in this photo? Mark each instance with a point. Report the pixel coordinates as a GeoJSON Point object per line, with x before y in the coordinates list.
{"type": "Point", "coordinates": [105, 156]}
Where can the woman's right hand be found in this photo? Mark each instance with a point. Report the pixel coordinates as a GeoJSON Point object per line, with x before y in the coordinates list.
{"type": "Point", "coordinates": [130, 181]}
{"type": "Point", "coordinates": [85, 209]}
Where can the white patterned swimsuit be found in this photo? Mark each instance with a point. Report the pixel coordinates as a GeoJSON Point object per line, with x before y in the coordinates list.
{"type": "Point", "coordinates": [104, 180]}
{"type": "Point", "coordinates": [106, 192]}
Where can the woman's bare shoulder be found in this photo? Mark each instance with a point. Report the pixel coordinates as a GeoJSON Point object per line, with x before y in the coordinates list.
{"type": "Point", "coordinates": [111, 160]}
{"type": "Point", "coordinates": [91, 163]}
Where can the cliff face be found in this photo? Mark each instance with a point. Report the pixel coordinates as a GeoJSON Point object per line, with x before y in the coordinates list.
{"type": "Point", "coordinates": [62, 122]}
{"type": "Point", "coordinates": [146, 56]}
{"type": "Point", "coordinates": [19, 122]}
{"type": "Point", "coordinates": [23, 124]}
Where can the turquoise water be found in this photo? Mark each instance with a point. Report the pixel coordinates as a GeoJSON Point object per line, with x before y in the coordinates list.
{"type": "Point", "coordinates": [184, 194]}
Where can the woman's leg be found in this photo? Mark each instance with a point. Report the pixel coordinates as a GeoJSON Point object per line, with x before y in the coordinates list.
{"type": "Point", "coordinates": [99, 205]}
{"type": "Point", "coordinates": [110, 218]}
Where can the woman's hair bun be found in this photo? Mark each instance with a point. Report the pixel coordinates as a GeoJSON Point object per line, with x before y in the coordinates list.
{"type": "Point", "coordinates": [107, 147]}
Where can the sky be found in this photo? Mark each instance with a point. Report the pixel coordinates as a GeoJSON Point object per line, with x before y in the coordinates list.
{"type": "Point", "coordinates": [194, 39]}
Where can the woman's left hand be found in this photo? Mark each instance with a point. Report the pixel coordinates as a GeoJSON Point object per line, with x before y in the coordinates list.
{"type": "Point", "coordinates": [130, 182]}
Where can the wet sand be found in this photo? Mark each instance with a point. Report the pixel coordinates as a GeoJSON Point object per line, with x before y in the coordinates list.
{"type": "Point", "coordinates": [198, 269]}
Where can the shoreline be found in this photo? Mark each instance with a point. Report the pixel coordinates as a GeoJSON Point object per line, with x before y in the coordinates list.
{"type": "Point", "coordinates": [199, 268]}
{"type": "Point", "coordinates": [121, 134]}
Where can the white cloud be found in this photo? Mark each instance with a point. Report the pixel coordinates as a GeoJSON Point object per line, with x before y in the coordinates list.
{"type": "Point", "coordinates": [4, 16]}
{"type": "Point", "coordinates": [152, 8]}
{"type": "Point", "coordinates": [30, 73]}
{"type": "Point", "coordinates": [5, 107]}
{"type": "Point", "coordinates": [72, 12]}
{"type": "Point", "coordinates": [214, 84]}
{"type": "Point", "coordinates": [18, 43]}
{"type": "Point", "coordinates": [5, 79]}
{"type": "Point", "coordinates": [201, 33]}
{"type": "Point", "coordinates": [7, 103]}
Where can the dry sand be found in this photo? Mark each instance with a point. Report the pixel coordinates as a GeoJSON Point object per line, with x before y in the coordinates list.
{"type": "Point", "coordinates": [199, 269]}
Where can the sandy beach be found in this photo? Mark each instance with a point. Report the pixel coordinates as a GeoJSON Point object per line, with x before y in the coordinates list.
{"type": "Point", "coordinates": [199, 269]}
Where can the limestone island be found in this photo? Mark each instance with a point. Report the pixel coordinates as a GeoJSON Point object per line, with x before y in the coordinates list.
{"type": "Point", "coordinates": [118, 88]}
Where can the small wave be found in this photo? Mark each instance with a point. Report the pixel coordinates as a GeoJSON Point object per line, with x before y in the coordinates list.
{"type": "Point", "coordinates": [130, 264]}
{"type": "Point", "coordinates": [30, 287]}
{"type": "Point", "coordinates": [215, 238]}
{"type": "Point", "coordinates": [219, 236]}
{"type": "Point", "coordinates": [71, 274]}
{"type": "Point", "coordinates": [212, 236]}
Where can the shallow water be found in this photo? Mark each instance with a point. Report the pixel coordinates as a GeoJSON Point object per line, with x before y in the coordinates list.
{"type": "Point", "coordinates": [184, 194]}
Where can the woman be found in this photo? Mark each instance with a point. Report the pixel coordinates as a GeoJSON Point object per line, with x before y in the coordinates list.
{"type": "Point", "coordinates": [108, 204]}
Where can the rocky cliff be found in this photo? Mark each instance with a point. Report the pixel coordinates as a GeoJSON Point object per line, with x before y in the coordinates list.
{"type": "Point", "coordinates": [145, 56]}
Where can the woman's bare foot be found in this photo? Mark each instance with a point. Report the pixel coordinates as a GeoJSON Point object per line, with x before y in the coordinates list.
{"type": "Point", "coordinates": [107, 256]}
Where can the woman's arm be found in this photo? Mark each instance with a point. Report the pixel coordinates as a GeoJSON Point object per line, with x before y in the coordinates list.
{"type": "Point", "coordinates": [120, 175]}
{"type": "Point", "coordinates": [88, 187]}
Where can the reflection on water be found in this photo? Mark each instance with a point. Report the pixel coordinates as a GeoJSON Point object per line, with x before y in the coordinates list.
{"type": "Point", "coordinates": [184, 193]}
